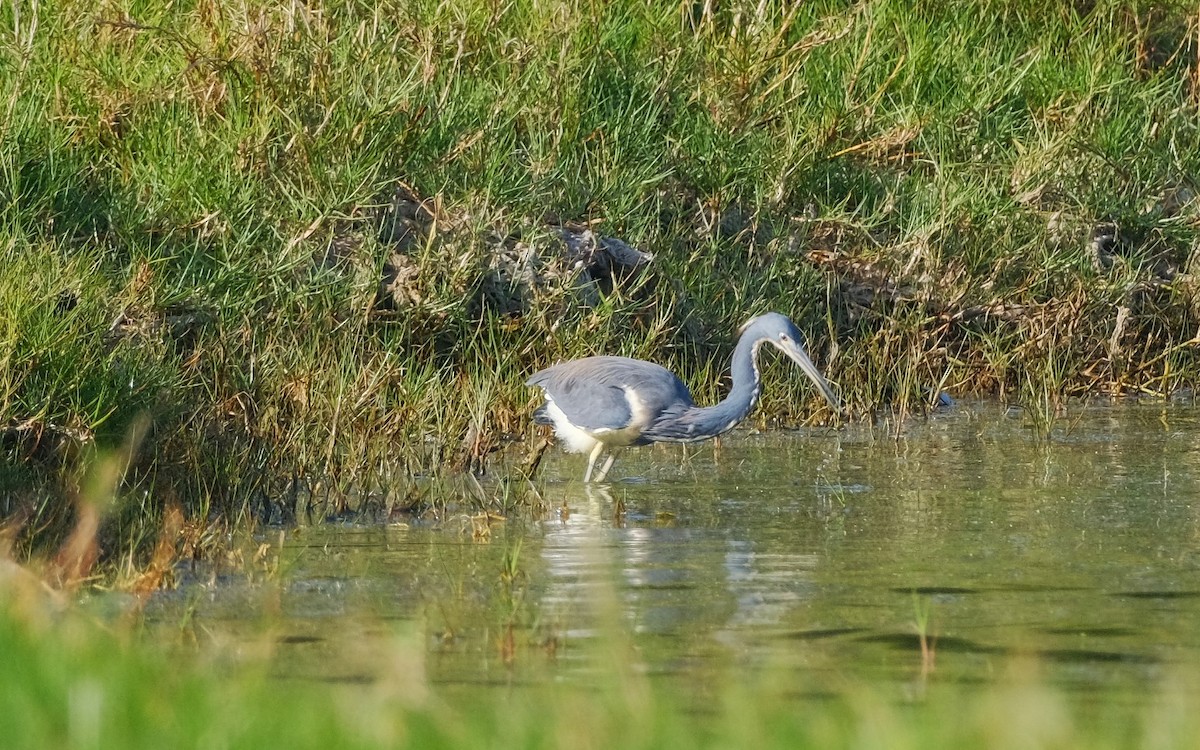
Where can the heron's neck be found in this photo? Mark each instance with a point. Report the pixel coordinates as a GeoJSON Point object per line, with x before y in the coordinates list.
{"type": "Point", "coordinates": [741, 398]}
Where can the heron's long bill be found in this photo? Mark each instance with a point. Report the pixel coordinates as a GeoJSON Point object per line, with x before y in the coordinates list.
{"type": "Point", "coordinates": [799, 356]}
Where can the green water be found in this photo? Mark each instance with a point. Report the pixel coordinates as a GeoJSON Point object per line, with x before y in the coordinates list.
{"type": "Point", "coordinates": [810, 556]}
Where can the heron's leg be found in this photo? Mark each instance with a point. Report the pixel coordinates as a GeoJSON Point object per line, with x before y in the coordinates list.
{"type": "Point", "coordinates": [607, 465]}
{"type": "Point", "coordinates": [587, 477]}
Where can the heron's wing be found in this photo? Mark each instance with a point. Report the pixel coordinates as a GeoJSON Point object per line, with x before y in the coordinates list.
{"type": "Point", "coordinates": [588, 405]}
{"type": "Point", "coordinates": [611, 393]}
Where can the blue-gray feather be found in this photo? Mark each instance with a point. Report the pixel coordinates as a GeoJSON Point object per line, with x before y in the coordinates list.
{"type": "Point", "coordinates": [591, 391]}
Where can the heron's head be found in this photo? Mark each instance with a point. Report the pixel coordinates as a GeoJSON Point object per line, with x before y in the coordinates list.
{"type": "Point", "coordinates": [780, 331]}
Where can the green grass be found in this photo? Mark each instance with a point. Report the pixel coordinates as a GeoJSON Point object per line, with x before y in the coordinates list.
{"type": "Point", "coordinates": [71, 681]}
{"type": "Point", "coordinates": [195, 218]}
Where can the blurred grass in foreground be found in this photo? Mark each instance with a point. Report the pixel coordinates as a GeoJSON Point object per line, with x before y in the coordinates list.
{"type": "Point", "coordinates": [71, 681]}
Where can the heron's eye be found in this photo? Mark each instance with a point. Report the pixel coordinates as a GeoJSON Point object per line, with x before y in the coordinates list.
{"type": "Point", "coordinates": [784, 337]}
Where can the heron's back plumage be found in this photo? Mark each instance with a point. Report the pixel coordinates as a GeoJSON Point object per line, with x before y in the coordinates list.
{"type": "Point", "coordinates": [612, 393]}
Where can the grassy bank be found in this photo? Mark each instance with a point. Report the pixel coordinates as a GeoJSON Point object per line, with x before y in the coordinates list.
{"type": "Point", "coordinates": [324, 242]}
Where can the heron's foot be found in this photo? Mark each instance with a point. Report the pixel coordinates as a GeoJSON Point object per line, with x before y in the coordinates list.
{"type": "Point", "coordinates": [596, 451]}
{"type": "Point", "coordinates": [607, 465]}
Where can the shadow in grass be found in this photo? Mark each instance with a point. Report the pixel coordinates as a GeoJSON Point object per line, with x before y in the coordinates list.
{"type": "Point", "coordinates": [289, 640]}
{"type": "Point", "coordinates": [346, 679]}
{"type": "Point", "coordinates": [337, 679]}
{"type": "Point", "coordinates": [953, 590]}
{"type": "Point", "coordinates": [1035, 588]}
{"type": "Point", "coordinates": [663, 587]}
{"type": "Point", "coordinates": [946, 643]}
{"type": "Point", "coordinates": [819, 634]}
{"type": "Point", "coordinates": [1157, 594]}
{"type": "Point", "coordinates": [813, 696]}
{"type": "Point", "coordinates": [1090, 632]}
{"type": "Point", "coordinates": [1090, 656]}
{"type": "Point", "coordinates": [950, 644]}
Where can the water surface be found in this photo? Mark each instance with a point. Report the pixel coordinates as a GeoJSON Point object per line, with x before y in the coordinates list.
{"type": "Point", "coordinates": [820, 556]}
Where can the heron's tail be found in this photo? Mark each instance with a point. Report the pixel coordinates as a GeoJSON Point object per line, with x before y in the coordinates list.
{"type": "Point", "coordinates": [541, 416]}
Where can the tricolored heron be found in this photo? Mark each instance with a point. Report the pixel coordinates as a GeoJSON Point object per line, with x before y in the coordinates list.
{"type": "Point", "coordinates": [613, 402]}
